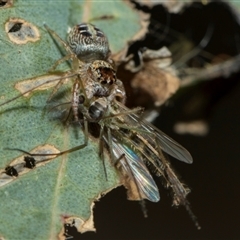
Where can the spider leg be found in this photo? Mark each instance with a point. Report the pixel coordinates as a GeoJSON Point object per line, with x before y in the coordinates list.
{"type": "Point", "coordinates": [28, 91]}
{"type": "Point", "coordinates": [61, 60]}
{"type": "Point", "coordinates": [56, 36]}
{"type": "Point", "coordinates": [70, 55]}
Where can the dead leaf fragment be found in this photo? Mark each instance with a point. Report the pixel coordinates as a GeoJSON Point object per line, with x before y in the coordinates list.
{"type": "Point", "coordinates": [41, 83]}
{"type": "Point", "coordinates": [80, 225]}
{"type": "Point", "coordinates": [176, 6]}
{"type": "Point", "coordinates": [159, 84]}
{"type": "Point", "coordinates": [197, 128]}
{"type": "Point", "coordinates": [154, 76]}
{"type": "Point", "coordinates": [173, 6]}
{"type": "Point", "coordinates": [119, 57]}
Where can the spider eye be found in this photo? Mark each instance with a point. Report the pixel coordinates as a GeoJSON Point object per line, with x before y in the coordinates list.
{"type": "Point", "coordinates": [86, 34]}
{"type": "Point", "coordinates": [99, 33]}
{"type": "Point", "coordinates": [82, 27]}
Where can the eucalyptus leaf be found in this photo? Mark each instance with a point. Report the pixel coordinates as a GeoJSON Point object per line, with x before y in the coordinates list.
{"type": "Point", "coordinates": [36, 204]}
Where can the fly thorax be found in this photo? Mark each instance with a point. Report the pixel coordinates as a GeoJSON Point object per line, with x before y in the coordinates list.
{"type": "Point", "coordinates": [117, 91]}
{"type": "Point", "coordinates": [98, 108]}
{"type": "Point", "coordinates": [100, 91]}
{"type": "Point", "coordinates": [94, 90]}
{"type": "Point", "coordinates": [88, 42]}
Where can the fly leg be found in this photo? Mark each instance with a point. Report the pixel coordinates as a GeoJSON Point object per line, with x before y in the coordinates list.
{"type": "Point", "coordinates": [180, 191]}
{"type": "Point", "coordinates": [85, 126]}
{"type": "Point", "coordinates": [101, 150]}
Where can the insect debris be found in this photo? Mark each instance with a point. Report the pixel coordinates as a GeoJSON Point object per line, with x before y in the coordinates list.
{"type": "Point", "coordinates": [30, 162]}
{"type": "Point", "coordinates": [11, 171]}
{"type": "Point", "coordinates": [98, 99]}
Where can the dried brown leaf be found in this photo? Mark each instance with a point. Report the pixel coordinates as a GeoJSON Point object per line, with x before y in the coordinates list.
{"type": "Point", "coordinates": [154, 76]}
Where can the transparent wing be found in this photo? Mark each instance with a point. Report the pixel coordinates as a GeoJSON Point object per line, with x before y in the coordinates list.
{"type": "Point", "coordinates": [167, 144]}
{"type": "Point", "coordinates": [135, 167]}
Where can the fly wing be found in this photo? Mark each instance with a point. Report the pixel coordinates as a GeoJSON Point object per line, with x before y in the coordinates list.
{"type": "Point", "coordinates": [133, 166]}
{"type": "Point", "coordinates": [169, 145]}
{"type": "Point", "coordinates": [154, 136]}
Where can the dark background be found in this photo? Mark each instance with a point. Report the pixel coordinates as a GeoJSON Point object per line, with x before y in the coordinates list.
{"type": "Point", "coordinates": [214, 176]}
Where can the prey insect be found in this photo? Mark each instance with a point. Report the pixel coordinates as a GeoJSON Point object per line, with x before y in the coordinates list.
{"type": "Point", "coordinates": [133, 143]}
{"type": "Point", "coordinates": [98, 99]}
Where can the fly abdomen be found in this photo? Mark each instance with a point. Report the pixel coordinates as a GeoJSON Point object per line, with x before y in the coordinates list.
{"type": "Point", "coordinates": [98, 109]}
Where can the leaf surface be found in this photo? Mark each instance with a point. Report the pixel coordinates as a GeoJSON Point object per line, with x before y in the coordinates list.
{"type": "Point", "coordinates": [37, 202]}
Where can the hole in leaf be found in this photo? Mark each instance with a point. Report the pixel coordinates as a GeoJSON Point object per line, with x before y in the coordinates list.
{"type": "Point", "coordinates": [6, 3]}
{"type": "Point", "coordinates": [20, 31]}
{"type": "Point", "coordinates": [16, 27]}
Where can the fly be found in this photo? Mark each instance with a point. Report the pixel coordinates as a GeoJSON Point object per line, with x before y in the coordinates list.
{"type": "Point", "coordinates": [133, 143]}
